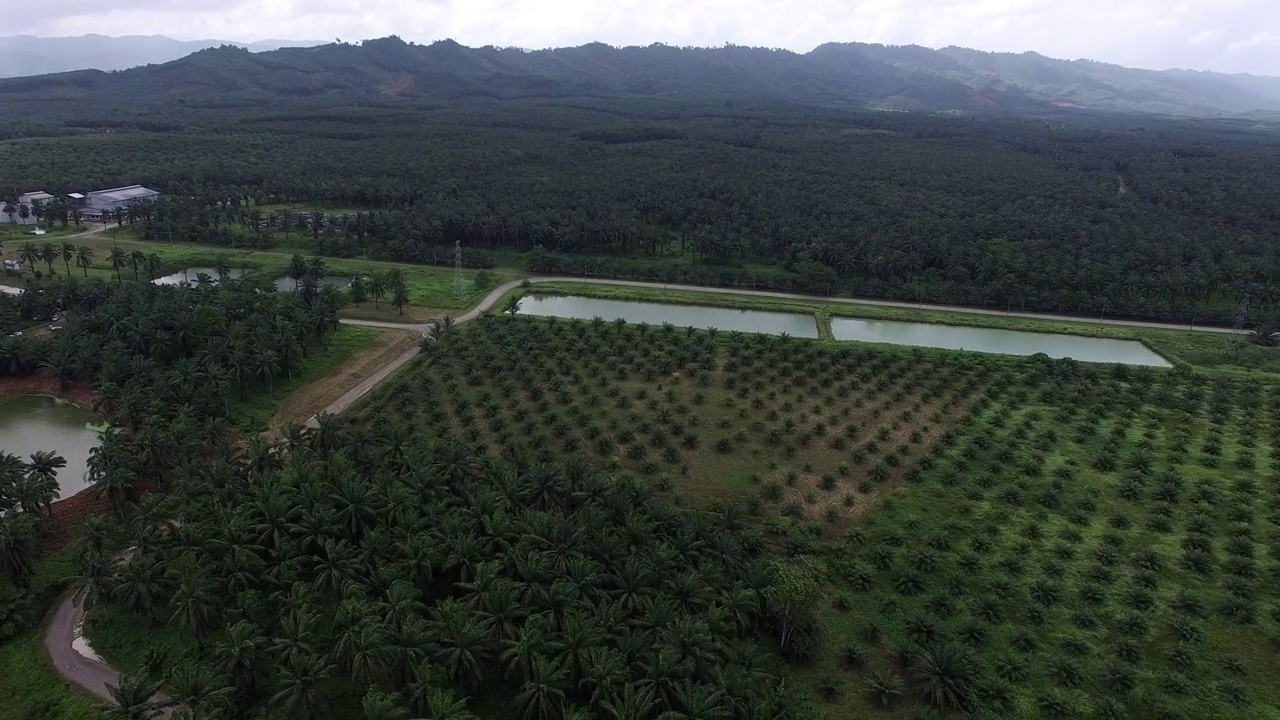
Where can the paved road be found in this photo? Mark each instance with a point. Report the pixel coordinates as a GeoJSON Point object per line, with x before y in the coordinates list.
{"type": "Point", "coordinates": [89, 674]}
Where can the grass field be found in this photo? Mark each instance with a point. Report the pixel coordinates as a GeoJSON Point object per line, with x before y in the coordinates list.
{"type": "Point", "coordinates": [429, 287]}
{"type": "Point", "coordinates": [254, 414]}
{"type": "Point", "coordinates": [29, 688]}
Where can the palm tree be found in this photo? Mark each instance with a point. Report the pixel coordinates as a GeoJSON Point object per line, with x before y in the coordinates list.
{"type": "Point", "coordinates": [512, 305]}
{"type": "Point", "coordinates": [119, 259]}
{"type": "Point", "coordinates": [29, 254]}
{"type": "Point", "coordinates": [135, 699]}
{"type": "Point", "coordinates": [50, 254]}
{"type": "Point", "coordinates": [194, 606]}
{"type": "Point", "coordinates": [299, 695]}
{"type": "Point", "coordinates": [137, 259]}
{"type": "Point", "coordinates": [10, 210]}
{"type": "Point", "coordinates": [380, 705]}
{"type": "Point", "coordinates": [202, 695]}
{"type": "Point", "coordinates": [1267, 334]}
{"type": "Point", "coordinates": [154, 266]}
{"type": "Point", "coordinates": [359, 288]}
{"type": "Point", "coordinates": [69, 251]}
{"type": "Point", "coordinates": [43, 469]}
{"type": "Point", "coordinates": [377, 288]}
{"type": "Point", "coordinates": [542, 697]}
{"type": "Point", "coordinates": [84, 258]}
{"type": "Point", "coordinates": [942, 675]}
{"type": "Point", "coordinates": [240, 656]}
{"type": "Point", "coordinates": [17, 547]}
{"type": "Point", "coordinates": [400, 297]}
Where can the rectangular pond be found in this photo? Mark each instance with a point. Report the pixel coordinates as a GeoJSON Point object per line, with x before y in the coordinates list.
{"type": "Point", "coordinates": [288, 284]}
{"type": "Point", "coordinates": [991, 340]}
{"type": "Point", "coordinates": [699, 316]}
{"type": "Point", "coordinates": [191, 275]}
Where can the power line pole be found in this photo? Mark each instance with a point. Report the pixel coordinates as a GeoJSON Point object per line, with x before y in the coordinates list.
{"type": "Point", "coordinates": [1236, 342]}
{"type": "Point", "coordinates": [459, 288]}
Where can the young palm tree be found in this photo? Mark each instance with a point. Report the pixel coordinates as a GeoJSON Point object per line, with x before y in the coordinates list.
{"type": "Point", "coordinates": [942, 675]}
{"type": "Point", "coordinates": [154, 266]}
{"type": "Point", "coordinates": [119, 259]}
{"type": "Point", "coordinates": [84, 258]}
{"type": "Point", "coordinates": [29, 254]}
{"type": "Point", "coordinates": [135, 699]}
{"type": "Point", "coordinates": [377, 287]}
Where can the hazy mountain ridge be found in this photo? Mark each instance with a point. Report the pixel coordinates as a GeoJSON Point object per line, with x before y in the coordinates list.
{"type": "Point", "coordinates": [23, 55]}
{"type": "Point", "coordinates": [907, 77]}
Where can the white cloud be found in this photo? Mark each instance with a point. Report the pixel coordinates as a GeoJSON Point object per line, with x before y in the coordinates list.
{"type": "Point", "coordinates": [1227, 35]}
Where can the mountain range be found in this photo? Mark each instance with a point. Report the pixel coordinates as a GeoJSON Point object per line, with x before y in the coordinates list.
{"type": "Point", "coordinates": [836, 74]}
{"type": "Point", "coordinates": [22, 55]}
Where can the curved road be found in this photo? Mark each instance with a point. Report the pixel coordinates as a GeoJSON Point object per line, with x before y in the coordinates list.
{"type": "Point", "coordinates": [93, 675]}
{"type": "Point", "coordinates": [90, 674]}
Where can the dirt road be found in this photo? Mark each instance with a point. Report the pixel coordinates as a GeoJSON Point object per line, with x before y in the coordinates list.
{"type": "Point", "coordinates": [501, 290]}
{"type": "Point", "coordinates": [89, 673]}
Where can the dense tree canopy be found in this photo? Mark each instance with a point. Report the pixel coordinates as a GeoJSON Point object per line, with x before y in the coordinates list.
{"type": "Point", "coordinates": [1148, 217]}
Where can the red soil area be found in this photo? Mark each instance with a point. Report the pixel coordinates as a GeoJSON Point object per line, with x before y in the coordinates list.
{"type": "Point", "coordinates": [69, 514]}
{"type": "Point", "coordinates": [80, 393]}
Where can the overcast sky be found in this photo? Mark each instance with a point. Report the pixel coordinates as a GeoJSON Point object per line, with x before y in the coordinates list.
{"type": "Point", "coordinates": [1224, 35]}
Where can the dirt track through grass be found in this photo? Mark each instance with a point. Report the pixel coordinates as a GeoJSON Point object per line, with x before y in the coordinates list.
{"type": "Point", "coordinates": [314, 397]}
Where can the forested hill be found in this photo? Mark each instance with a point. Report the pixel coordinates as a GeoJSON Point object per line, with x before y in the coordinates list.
{"type": "Point", "coordinates": [897, 77]}
{"type": "Point", "coordinates": [27, 55]}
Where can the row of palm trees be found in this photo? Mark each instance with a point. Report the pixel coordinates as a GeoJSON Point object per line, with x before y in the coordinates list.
{"type": "Point", "coordinates": [1074, 548]}
{"type": "Point", "coordinates": [31, 254]}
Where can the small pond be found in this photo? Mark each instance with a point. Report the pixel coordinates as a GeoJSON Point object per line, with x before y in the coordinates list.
{"type": "Point", "coordinates": [29, 423]}
{"type": "Point", "coordinates": [288, 284]}
{"type": "Point", "coordinates": [1006, 342]}
{"type": "Point", "coordinates": [699, 316]}
{"type": "Point", "coordinates": [191, 275]}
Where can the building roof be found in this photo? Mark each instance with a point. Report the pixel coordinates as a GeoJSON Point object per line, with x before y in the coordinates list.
{"type": "Point", "coordinates": [76, 196]}
{"type": "Point", "coordinates": [37, 196]}
{"type": "Point", "coordinates": [122, 194]}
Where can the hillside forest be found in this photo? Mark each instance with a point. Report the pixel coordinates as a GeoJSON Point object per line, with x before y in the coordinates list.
{"type": "Point", "coordinates": [1079, 212]}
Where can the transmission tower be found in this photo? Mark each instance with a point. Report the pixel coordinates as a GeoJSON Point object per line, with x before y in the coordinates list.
{"type": "Point", "coordinates": [459, 288]}
{"type": "Point", "coordinates": [1236, 342]}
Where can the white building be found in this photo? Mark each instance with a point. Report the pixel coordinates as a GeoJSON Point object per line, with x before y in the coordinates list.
{"type": "Point", "coordinates": [25, 202]}
{"type": "Point", "coordinates": [117, 198]}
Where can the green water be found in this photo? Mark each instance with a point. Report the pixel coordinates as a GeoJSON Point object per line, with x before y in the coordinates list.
{"type": "Point", "coordinates": [38, 422]}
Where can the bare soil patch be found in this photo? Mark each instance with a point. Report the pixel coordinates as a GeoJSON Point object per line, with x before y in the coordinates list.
{"type": "Point", "coordinates": [80, 393]}
{"type": "Point", "coordinates": [311, 399]}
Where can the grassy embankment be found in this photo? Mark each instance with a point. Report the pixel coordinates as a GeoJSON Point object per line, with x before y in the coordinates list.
{"type": "Point", "coordinates": [253, 414]}
{"type": "Point", "coordinates": [1206, 350]}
